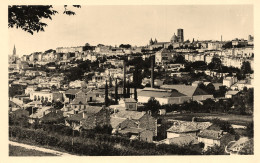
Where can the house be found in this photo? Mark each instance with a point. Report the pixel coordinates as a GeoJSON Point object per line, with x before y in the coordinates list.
{"type": "Point", "coordinates": [230, 94]}
{"type": "Point", "coordinates": [163, 56]}
{"type": "Point", "coordinates": [229, 81]}
{"type": "Point", "coordinates": [79, 102]}
{"type": "Point", "coordinates": [184, 128]}
{"type": "Point", "coordinates": [182, 141]}
{"type": "Point", "coordinates": [163, 96]}
{"type": "Point", "coordinates": [89, 118]}
{"type": "Point", "coordinates": [135, 124]}
{"type": "Point", "coordinates": [192, 92]}
{"type": "Point", "coordinates": [129, 104]}
{"type": "Point", "coordinates": [53, 117]}
{"type": "Point", "coordinates": [40, 112]}
{"type": "Point", "coordinates": [214, 137]}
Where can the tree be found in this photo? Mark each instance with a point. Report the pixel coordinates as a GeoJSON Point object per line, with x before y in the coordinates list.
{"type": "Point", "coordinates": [153, 105]}
{"type": "Point", "coordinates": [250, 130]}
{"type": "Point", "coordinates": [135, 94]}
{"type": "Point", "coordinates": [106, 95]}
{"type": "Point", "coordinates": [128, 90]}
{"type": "Point", "coordinates": [116, 92]}
{"type": "Point", "coordinates": [180, 59]}
{"type": "Point", "coordinates": [210, 88]}
{"type": "Point", "coordinates": [215, 64]}
{"type": "Point", "coordinates": [227, 45]}
{"type": "Point", "coordinates": [29, 18]}
{"type": "Point", "coordinates": [246, 68]}
{"type": "Point", "coordinates": [223, 125]}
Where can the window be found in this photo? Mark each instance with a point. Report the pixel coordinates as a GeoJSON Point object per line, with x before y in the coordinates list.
{"type": "Point", "coordinates": [130, 106]}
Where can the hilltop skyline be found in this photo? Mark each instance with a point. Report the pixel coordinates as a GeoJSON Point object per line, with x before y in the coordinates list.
{"type": "Point", "coordinates": [136, 25]}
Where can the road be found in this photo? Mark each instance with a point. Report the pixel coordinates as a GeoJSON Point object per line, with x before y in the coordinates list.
{"type": "Point", "coordinates": [58, 153]}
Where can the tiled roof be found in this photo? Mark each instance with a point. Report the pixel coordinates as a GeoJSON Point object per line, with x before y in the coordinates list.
{"type": "Point", "coordinates": [131, 130]}
{"type": "Point", "coordinates": [93, 109]}
{"type": "Point", "coordinates": [183, 140]}
{"type": "Point", "coordinates": [79, 101]}
{"type": "Point", "coordinates": [116, 121]}
{"type": "Point", "coordinates": [52, 116]}
{"type": "Point", "coordinates": [185, 89]}
{"type": "Point", "coordinates": [76, 117]}
{"type": "Point", "coordinates": [186, 126]}
{"type": "Point", "coordinates": [129, 100]}
{"type": "Point", "coordinates": [232, 92]}
{"type": "Point", "coordinates": [211, 134]}
{"type": "Point", "coordinates": [129, 114]}
{"type": "Point", "coordinates": [159, 93]}
{"type": "Point", "coordinates": [72, 91]}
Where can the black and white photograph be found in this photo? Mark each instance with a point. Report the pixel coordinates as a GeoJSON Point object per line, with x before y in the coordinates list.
{"type": "Point", "coordinates": [130, 80]}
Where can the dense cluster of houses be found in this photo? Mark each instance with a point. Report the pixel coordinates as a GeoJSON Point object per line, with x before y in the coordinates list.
{"type": "Point", "coordinates": [83, 102]}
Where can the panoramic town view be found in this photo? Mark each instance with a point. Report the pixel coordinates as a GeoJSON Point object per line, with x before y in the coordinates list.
{"type": "Point", "coordinates": [131, 80]}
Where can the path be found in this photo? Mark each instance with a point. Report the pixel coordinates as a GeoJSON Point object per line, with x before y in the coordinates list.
{"type": "Point", "coordinates": [58, 153]}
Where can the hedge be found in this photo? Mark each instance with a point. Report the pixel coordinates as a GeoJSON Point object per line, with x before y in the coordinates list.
{"type": "Point", "coordinates": [99, 145]}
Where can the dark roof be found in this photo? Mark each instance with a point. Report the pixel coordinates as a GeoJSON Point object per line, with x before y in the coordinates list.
{"type": "Point", "coordinates": [183, 140]}
{"type": "Point", "coordinates": [186, 126]}
{"type": "Point", "coordinates": [79, 101]}
{"type": "Point", "coordinates": [76, 117]}
{"type": "Point", "coordinates": [160, 93]}
{"type": "Point", "coordinates": [186, 89]}
{"type": "Point", "coordinates": [211, 134]}
{"type": "Point", "coordinates": [115, 122]}
{"type": "Point", "coordinates": [131, 130]}
{"type": "Point", "coordinates": [93, 109]}
{"type": "Point", "coordinates": [72, 91]}
{"type": "Point", "coordinates": [52, 116]}
{"type": "Point", "coordinates": [129, 114]}
{"type": "Point", "coordinates": [129, 100]}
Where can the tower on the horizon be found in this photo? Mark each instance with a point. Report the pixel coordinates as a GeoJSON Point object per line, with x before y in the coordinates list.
{"type": "Point", "coordinates": [14, 50]}
{"type": "Point", "coordinates": [180, 35]}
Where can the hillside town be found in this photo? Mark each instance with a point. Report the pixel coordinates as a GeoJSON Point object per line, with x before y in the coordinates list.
{"type": "Point", "coordinates": [190, 96]}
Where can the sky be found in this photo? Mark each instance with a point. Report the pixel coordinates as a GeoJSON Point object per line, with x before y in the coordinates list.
{"type": "Point", "coordinates": [135, 25]}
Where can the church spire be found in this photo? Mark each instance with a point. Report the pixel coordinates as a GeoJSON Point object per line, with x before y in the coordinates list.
{"type": "Point", "coordinates": [14, 51]}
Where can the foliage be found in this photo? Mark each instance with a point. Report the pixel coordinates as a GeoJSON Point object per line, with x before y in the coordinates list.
{"type": "Point", "coordinates": [106, 95]}
{"type": "Point", "coordinates": [215, 64]}
{"type": "Point", "coordinates": [97, 144]}
{"type": "Point", "coordinates": [16, 90]}
{"type": "Point", "coordinates": [116, 92]}
{"type": "Point", "coordinates": [215, 150]}
{"type": "Point", "coordinates": [30, 18]}
{"type": "Point", "coordinates": [246, 68]}
{"type": "Point", "coordinates": [223, 125]}
{"type": "Point", "coordinates": [250, 129]}
{"type": "Point", "coordinates": [125, 46]}
{"type": "Point", "coordinates": [180, 59]}
{"type": "Point", "coordinates": [153, 105]}
{"type": "Point", "coordinates": [135, 94]}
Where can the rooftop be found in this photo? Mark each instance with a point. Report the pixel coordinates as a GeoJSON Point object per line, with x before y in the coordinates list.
{"type": "Point", "coordinates": [211, 134]}
{"type": "Point", "coordinates": [186, 126]}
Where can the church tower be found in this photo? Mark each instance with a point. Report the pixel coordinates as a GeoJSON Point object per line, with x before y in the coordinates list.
{"type": "Point", "coordinates": [14, 51]}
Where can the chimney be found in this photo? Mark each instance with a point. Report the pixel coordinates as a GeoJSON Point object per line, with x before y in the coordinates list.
{"type": "Point", "coordinates": [152, 70]}
{"type": "Point", "coordinates": [83, 114]}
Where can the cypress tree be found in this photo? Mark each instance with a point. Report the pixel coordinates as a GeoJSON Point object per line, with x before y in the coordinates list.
{"type": "Point", "coordinates": [116, 92]}
{"type": "Point", "coordinates": [128, 90]}
{"type": "Point", "coordinates": [106, 94]}
{"type": "Point", "coordinates": [135, 94]}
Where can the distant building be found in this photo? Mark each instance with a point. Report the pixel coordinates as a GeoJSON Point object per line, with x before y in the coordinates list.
{"type": "Point", "coordinates": [180, 35]}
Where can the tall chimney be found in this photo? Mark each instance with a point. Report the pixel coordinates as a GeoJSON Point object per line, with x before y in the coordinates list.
{"type": "Point", "coordinates": [152, 70]}
{"type": "Point", "coordinates": [124, 79]}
